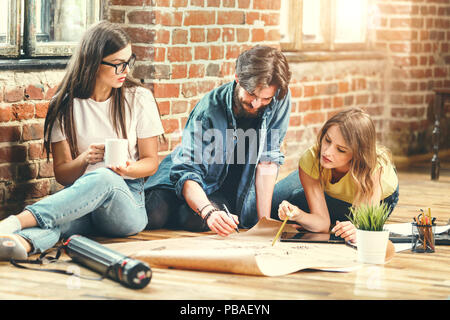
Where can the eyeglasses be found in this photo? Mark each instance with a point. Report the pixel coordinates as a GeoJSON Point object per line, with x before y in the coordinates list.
{"type": "Point", "coordinates": [120, 67]}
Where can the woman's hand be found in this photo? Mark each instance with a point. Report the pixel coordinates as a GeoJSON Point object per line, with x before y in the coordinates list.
{"type": "Point", "coordinates": [95, 153]}
{"type": "Point", "coordinates": [222, 224]}
{"type": "Point", "coordinates": [124, 171]}
{"type": "Point", "coordinates": [286, 209]}
{"type": "Point", "coordinates": [346, 230]}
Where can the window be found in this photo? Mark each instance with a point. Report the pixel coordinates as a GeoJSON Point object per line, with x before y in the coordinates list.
{"type": "Point", "coordinates": [329, 25]}
{"type": "Point", "coordinates": [43, 28]}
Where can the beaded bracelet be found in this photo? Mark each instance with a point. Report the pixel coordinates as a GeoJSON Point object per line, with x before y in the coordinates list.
{"type": "Point", "coordinates": [199, 211]}
{"type": "Point", "coordinates": [206, 217]}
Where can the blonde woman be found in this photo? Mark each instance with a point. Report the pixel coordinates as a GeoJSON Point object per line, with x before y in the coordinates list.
{"type": "Point", "coordinates": [344, 168]}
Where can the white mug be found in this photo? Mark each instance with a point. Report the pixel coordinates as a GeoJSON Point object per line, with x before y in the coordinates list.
{"type": "Point", "coordinates": [116, 152]}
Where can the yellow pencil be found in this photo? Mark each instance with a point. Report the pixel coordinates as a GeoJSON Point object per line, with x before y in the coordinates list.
{"type": "Point", "coordinates": [279, 231]}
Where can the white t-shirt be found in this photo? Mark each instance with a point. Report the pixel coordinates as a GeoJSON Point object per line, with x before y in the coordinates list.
{"type": "Point", "coordinates": [93, 122]}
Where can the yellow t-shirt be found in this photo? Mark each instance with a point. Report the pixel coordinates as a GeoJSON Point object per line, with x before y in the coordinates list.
{"type": "Point", "coordinates": [345, 189]}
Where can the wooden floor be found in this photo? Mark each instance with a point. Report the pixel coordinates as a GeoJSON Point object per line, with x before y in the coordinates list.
{"type": "Point", "coordinates": [407, 276]}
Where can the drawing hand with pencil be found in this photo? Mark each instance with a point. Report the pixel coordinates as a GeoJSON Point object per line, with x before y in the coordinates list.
{"type": "Point", "coordinates": [223, 222]}
{"type": "Point", "coordinates": [289, 210]}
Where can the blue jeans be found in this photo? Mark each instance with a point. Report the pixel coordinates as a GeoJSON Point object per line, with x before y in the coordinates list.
{"type": "Point", "coordinates": [99, 203]}
{"type": "Point", "coordinates": [291, 190]}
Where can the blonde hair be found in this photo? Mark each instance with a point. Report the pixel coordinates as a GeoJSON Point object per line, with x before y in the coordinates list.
{"type": "Point", "coordinates": [358, 131]}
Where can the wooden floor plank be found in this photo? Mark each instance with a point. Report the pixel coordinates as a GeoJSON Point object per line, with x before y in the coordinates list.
{"type": "Point", "coordinates": [407, 276]}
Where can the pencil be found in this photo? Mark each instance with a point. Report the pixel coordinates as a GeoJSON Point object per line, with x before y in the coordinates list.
{"type": "Point", "coordinates": [279, 231]}
{"type": "Point", "coordinates": [229, 214]}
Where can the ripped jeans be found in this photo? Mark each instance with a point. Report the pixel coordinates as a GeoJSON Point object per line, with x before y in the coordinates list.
{"type": "Point", "coordinates": [99, 203]}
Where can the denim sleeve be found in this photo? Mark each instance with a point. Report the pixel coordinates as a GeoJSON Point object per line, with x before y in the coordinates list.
{"type": "Point", "coordinates": [188, 163]}
{"type": "Point", "coordinates": [276, 131]}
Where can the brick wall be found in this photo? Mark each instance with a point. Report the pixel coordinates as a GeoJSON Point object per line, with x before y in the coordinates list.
{"type": "Point", "coordinates": [185, 48]}
{"type": "Point", "coordinates": [415, 35]}
{"type": "Point", "coordinates": [25, 174]}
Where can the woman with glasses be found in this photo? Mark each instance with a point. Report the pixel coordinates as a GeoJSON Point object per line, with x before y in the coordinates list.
{"type": "Point", "coordinates": [96, 100]}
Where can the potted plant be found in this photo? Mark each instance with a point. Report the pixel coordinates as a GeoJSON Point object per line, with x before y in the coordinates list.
{"type": "Point", "coordinates": [371, 239]}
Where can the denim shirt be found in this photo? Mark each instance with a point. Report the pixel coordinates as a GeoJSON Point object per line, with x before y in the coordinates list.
{"type": "Point", "coordinates": [207, 145]}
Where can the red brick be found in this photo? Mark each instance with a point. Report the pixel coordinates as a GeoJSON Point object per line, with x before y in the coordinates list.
{"type": "Point", "coordinates": [308, 91]}
{"type": "Point", "coordinates": [33, 131]}
{"type": "Point", "coordinates": [164, 107]}
{"type": "Point", "coordinates": [267, 4]}
{"type": "Point", "coordinates": [343, 87]}
{"type": "Point", "coordinates": [338, 102]}
{"type": "Point", "coordinates": [27, 171]}
{"type": "Point", "coordinates": [231, 17]}
{"type": "Point", "coordinates": [141, 35]}
{"type": "Point", "coordinates": [179, 54]}
{"type": "Point", "coordinates": [41, 109]}
{"type": "Point", "coordinates": [23, 111]}
{"type": "Point", "coordinates": [6, 114]}
{"type": "Point", "coordinates": [179, 71]}
{"type": "Point", "coordinates": [170, 19]}
{"type": "Point", "coordinates": [50, 92]}
{"type": "Point", "coordinates": [116, 16]}
{"type": "Point", "coordinates": [396, 35]}
{"type": "Point", "coordinates": [295, 121]}
{"type": "Point", "coordinates": [233, 51]}
{"type": "Point", "coordinates": [141, 17]}
{"type": "Point", "coordinates": [199, 18]}
{"type": "Point", "coordinates": [270, 19]}
{"type": "Point", "coordinates": [213, 34]}
{"type": "Point", "coordinates": [10, 134]}
{"type": "Point", "coordinates": [166, 90]}
{"type": "Point", "coordinates": [46, 169]}
{"type": "Point", "coordinates": [258, 35]}
{"type": "Point", "coordinates": [197, 3]}
{"type": "Point", "coordinates": [7, 172]}
{"type": "Point", "coordinates": [197, 35]}
{"type": "Point", "coordinates": [196, 71]}
{"type": "Point", "coordinates": [213, 3]}
{"type": "Point", "coordinates": [251, 17]}
{"type": "Point", "coordinates": [229, 3]}
{"type": "Point", "coordinates": [160, 54]}
{"type": "Point", "coordinates": [217, 52]}
{"type": "Point", "coordinates": [170, 125]}
{"type": "Point", "coordinates": [162, 36]}
{"type": "Point", "coordinates": [13, 94]}
{"type": "Point", "coordinates": [34, 92]}
{"type": "Point", "coordinates": [36, 151]}
{"type": "Point", "coordinates": [311, 118]}
{"type": "Point", "coordinates": [201, 53]}
{"type": "Point", "coordinates": [273, 35]}
{"type": "Point", "coordinates": [227, 69]}
{"type": "Point", "coordinates": [243, 4]}
{"type": "Point", "coordinates": [179, 3]}
{"type": "Point", "coordinates": [143, 52]}
{"type": "Point", "coordinates": [179, 36]}
{"type": "Point", "coordinates": [189, 89]}
{"type": "Point", "coordinates": [179, 107]}
{"type": "Point", "coordinates": [13, 154]}
{"type": "Point", "coordinates": [316, 104]}
{"type": "Point", "coordinates": [242, 35]}
{"type": "Point", "coordinates": [228, 34]}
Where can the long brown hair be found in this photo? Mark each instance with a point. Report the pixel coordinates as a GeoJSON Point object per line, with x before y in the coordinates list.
{"type": "Point", "coordinates": [358, 131]}
{"type": "Point", "coordinates": [100, 40]}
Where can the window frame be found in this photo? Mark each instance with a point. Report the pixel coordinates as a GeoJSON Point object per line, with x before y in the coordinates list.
{"type": "Point", "coordinates": [30, 47]}
{"type": "Point", "coordinates": [33, 48]}
{"type": "Point", "coordinates": [11, 48]}
{"type": "Point", "coordinates": [295, 17]}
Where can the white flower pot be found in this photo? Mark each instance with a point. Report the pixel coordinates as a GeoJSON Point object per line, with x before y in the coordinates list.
{"type": "Point", "coordinates": [372, 246]}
